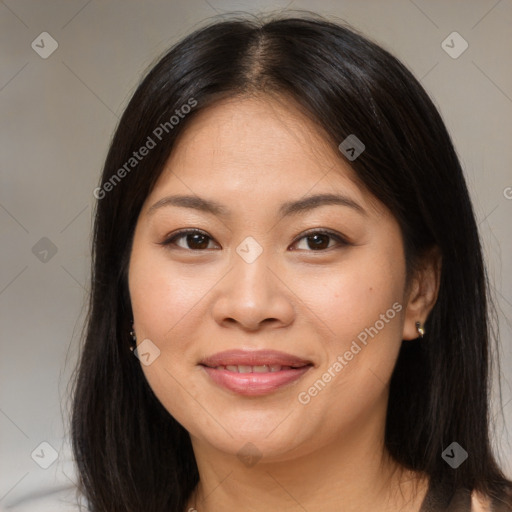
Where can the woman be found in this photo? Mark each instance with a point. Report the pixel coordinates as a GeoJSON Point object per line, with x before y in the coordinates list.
{"type": "Point", "coordinates": [284, 315]}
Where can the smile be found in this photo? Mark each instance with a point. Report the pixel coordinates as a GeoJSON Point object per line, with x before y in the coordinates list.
{"type": "Point", "coordinates": [257, 380]}
{"type": "Point", "coordinates": [242, 368]}
{"type": "Point", "coordinates": [254, 372]}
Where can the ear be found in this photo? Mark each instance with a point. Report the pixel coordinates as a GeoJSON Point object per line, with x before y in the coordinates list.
{"type": "Point", "coordinates": [422, 292]}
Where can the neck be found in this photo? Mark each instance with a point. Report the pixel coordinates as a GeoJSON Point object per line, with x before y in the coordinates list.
{"type": "Point", "coordinates": [351, 473]}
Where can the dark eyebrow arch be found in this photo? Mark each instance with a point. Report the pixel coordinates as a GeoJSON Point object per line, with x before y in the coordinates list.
{"type": "Point", "coordinates": [289, 208]}
{"type": "Point", "coordinates": [310, 202]}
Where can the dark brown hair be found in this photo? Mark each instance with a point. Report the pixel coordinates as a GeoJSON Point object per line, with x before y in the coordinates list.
{"type": "Point", "coordinates": [132, 455]}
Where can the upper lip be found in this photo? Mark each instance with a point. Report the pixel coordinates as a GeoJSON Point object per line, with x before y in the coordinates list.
{"type": "Point", "coordinates": [253, 358]}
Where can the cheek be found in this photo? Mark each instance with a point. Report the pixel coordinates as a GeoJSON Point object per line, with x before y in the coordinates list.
{"type": "Point", "coordinates": [361, 305]}
{"type": "Point", "coordinates": [162, 295]}
{"type": "Point", "coordinates": [353, 296]}
{"type": "Point", "coordinates": [165, 303]}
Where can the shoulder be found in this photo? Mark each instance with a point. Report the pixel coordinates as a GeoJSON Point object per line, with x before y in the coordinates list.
{"type": "Point", "coordinates": [480, 502]}
{"type": "Point", "coordinates": [484, 503]}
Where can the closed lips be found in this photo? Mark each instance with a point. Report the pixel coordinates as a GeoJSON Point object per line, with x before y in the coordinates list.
{"type": "Point", "coordinates": [257, 369]}
{"type": "Point", "coordinates": [261, 361]}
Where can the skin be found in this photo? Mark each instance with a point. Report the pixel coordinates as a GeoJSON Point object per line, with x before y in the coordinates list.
{"type": "Point", "coordinates": [252, 154]}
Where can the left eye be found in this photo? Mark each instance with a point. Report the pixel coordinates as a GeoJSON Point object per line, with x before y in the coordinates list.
{"type": "Point", "coordinates": [198, 240]}
{"type": "Point", "coordinates": [319, 240]}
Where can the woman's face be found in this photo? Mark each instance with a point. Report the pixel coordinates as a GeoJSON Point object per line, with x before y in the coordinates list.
{"type": "Point", "coordinates": [258, 273]}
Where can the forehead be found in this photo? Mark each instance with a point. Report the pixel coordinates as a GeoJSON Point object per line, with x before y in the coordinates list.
{"type": "Point", "coordinates": [258, 132]}
{"type": "Point", "coordinates": [257, 146]}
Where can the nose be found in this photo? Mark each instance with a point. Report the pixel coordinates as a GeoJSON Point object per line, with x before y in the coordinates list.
{"type": "Point", "coordinates": [252, 295]}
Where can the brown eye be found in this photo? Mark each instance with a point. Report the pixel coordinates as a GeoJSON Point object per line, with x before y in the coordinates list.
{"type": "Point", "coordinates": [319, 240]}
{"type": "Point", "coordinates": [194, 240]}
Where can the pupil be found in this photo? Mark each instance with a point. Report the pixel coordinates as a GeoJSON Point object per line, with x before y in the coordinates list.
{"type": "Point", "coordinates": [195, 242]}
{"type": "Point", "coordinates": [318, 239]}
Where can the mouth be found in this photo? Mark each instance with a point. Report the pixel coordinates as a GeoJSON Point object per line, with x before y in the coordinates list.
{"type": "Point", "coordinates": [264, 368]}
{"type": "Point", "coordinates": [254, 373]}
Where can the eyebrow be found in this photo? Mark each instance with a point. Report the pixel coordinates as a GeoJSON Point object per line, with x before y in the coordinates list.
{"type": "Point", "coordinates": [289, 208]}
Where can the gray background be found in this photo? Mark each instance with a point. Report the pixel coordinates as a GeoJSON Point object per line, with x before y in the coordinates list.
{"type": "Point", "coordinates": [57, 118]}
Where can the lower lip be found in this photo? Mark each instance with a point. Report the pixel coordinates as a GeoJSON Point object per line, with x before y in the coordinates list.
{"type": "Point", "coordinates": [255, 384]}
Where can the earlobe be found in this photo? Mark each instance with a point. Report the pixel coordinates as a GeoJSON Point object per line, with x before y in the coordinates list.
{"type": "Point", "coordinates": [423, 295]}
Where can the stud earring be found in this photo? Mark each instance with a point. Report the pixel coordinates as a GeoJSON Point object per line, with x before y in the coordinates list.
{"type": "Point", "coordinates": [420, 329]}
{"type": "Point", "coordinates": [134, 338]}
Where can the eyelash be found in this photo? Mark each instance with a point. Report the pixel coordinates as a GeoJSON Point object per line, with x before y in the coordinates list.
{"type": "Point", "coordinates": [182, 233]}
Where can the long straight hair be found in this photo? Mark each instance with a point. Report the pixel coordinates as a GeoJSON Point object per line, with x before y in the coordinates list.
{"type": "Point", "coordinates": [132, 455]}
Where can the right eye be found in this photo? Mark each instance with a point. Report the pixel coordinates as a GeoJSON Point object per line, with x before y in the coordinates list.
{"type": "Point", "coordinates": [195, 239]}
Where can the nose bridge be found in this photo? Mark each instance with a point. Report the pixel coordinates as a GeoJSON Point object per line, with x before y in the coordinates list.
{"type": "Point", "coordinates": [251, 279]}
{"type": "Point", "coordinates": [251, 293]}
